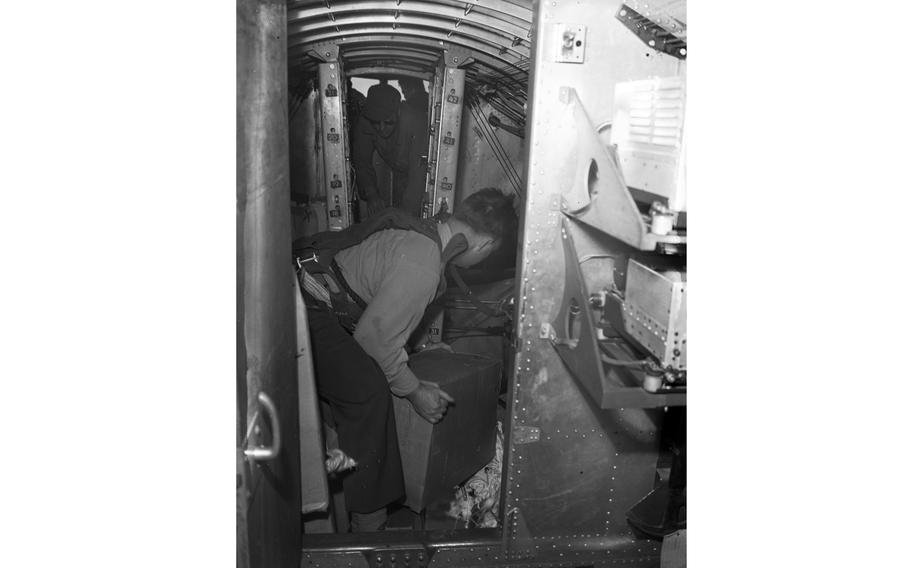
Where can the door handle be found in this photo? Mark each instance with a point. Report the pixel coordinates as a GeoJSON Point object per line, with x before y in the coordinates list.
{"type": "Point", "coordinates": [265, 453]}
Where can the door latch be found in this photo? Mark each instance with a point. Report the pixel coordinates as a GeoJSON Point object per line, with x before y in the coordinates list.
{"type": "Point", "coordinates": [262, 453]}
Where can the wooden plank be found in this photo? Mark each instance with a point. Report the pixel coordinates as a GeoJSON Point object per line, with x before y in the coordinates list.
{"type": "Point", "coordinates": [314, 491]}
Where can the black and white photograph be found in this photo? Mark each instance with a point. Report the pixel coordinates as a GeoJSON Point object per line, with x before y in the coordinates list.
{"type": "Point", "coordinates": [481, 357]}
{"type": "Point", "coordinates": [405, 283]}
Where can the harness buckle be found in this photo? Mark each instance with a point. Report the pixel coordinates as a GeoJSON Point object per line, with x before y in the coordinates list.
{"type": "Point", "coordinates": [300, 261]}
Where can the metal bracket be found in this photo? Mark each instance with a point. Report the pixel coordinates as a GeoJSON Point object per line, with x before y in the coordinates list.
{"type": "Point", "coordinates": [571, 40]}
{"type": "Point", "coordinates": [547, 331]}
{"type": "Point", "coordinates": [525, 434]}
{"type": "Point", "coordinates": [262, 453]}
{"type": "Point", "coordinates": [449, 94]}
{"type": "Point", "coordinates": [652, 34]}
{"type": "Point", "coordinates": [596, 193]}
{"type": "Point", "coordinates": [616, 387]}
{"type": "Point", "coordinates": [325, 52]}
{"type": "Point", "coordinates": [456, 57]}
{"type": "Point", "coordinates": [416, 556]}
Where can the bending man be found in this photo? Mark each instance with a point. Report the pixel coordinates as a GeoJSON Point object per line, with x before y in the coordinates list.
{"type": "Point", "coordinates": [361, 361]}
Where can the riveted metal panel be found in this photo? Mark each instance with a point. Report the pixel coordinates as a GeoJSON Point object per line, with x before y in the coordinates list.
{"type": "Point", "coordinates": [333, 559]}
{"type": "Point", "coordinates": [574, 551]}
{"type": "Point", "coordinates": [591, 464]}
{"type": "Point", "coordinates": [413, 13]}
{"type": "Point", "coordinates": [490, 48]}
{"type": "Point", "coordinates": [334, 146]}
{"type": "Point", "coordinates": [448, 136]}
{"type": "Point", "coordinates": [579, 467]}
{"type": "Point", "coordinates": [496, 31]}
{"type": "Point", "coordinates": [449, 29]}
{"type": "Point", "coordinates": [613, 54]}
{"type": "Point", "coordinates": [484, 70]}
{"type": "Point", "coordinates": [515, 12]}
{"type": "Point", "coordinates": [499, 68]}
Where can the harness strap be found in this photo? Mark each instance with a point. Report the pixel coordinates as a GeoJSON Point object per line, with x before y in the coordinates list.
{"type": "Point", "coordinates": [469, 294]}
{"type": "Point", "coordinates": [315, 289]}
{"type": "Point", "coordinates": [339, 277]}
{"type": "Point", "coordinates": [344, 301]}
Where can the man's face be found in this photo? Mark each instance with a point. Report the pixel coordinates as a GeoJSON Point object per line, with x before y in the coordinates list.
{"type": "Point", "coordinates": [387, 127]}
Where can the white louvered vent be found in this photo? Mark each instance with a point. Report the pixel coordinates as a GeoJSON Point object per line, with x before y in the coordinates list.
{"type": "Point", "coordinates": [648, 121]}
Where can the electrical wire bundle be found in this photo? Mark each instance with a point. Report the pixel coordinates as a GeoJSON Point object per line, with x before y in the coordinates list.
{"type": "Point", "coordinates": [505, 100]}
{"type": "Point", "coordinates": [485, 131]}
{"type": "Point", "coordinates": [295, 101]}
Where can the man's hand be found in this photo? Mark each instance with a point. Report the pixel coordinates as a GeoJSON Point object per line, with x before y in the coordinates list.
{"type": "Point", "coordinates": [430, 401]}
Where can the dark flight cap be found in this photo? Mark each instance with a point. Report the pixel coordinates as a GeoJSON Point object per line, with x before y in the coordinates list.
{"type": "Point", "coordinates": [382, 102]}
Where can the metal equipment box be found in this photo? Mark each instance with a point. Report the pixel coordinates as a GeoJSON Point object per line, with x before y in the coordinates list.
{"type": "Point", "coordinates": [437, 457]}
{"type": "Point", "coordinates": [654, 313]}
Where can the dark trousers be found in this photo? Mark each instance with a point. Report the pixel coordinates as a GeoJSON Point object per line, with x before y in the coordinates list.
{"type": "Point", "coordinates": [358, 393]}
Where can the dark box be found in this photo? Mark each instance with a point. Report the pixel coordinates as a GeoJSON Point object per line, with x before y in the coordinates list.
{"type": "Point", "coordinates": [438, 457]}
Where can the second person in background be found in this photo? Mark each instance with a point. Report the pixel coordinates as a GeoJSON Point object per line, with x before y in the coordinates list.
{"type": "Point", "coordinates": [399, 136]}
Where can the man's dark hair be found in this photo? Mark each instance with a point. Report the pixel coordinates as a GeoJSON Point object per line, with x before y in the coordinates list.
{"type": "Point", "coordinates": [489, 211]}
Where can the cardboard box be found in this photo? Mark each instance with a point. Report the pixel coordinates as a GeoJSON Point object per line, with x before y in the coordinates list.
{"type": "Point", "coordinates": [438, 457]}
